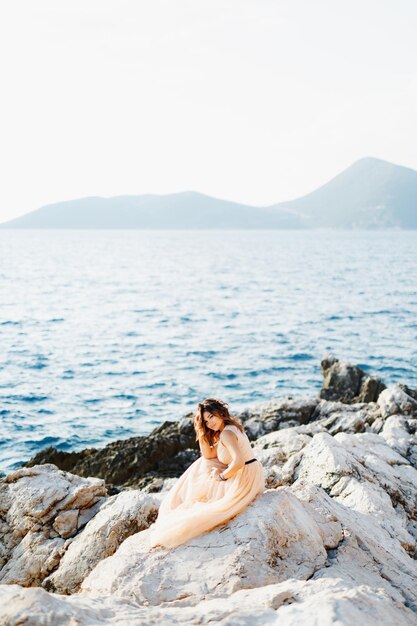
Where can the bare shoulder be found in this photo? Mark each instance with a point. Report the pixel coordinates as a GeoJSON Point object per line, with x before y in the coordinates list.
{"type": "Point", "coordinates": [230, 432]}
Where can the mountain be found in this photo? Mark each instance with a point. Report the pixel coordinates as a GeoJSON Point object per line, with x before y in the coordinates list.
{"type": "Point", "coordinates": [371, 193]}
{"type": "Point", "coordinates": [185, 210]}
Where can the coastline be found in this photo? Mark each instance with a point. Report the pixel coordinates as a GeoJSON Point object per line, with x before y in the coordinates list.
{"type": "Point", "coordinates": [335, 531]}
{"type": "Point", "coordinates": [144, 462]}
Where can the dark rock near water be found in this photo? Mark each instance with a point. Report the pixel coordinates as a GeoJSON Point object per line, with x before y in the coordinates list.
{"type": "Point", "coordinates": [348, 383]}
{"type": "Point", "coordinates": [166, 452]}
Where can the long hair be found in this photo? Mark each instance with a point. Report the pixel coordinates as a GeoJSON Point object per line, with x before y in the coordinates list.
{"type": "Point", "coordinates": [215, 407]}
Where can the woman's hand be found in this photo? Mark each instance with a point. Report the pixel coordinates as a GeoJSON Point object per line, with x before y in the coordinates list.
{"type": "Point", "coordinates": [214, 473]}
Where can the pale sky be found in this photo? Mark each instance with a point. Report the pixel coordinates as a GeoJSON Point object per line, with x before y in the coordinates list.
{"type": "Point", "coordinates": [256, 101]}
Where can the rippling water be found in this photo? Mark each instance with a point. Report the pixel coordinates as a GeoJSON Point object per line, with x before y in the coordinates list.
{"type": "Point", "coordinates": [106, 334]}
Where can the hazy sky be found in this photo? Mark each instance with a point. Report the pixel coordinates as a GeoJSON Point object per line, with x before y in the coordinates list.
{"type": "Point", "coordinates": [256, 101]}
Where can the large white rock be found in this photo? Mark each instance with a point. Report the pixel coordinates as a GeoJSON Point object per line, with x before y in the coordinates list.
{"type": "Point", "coordinates": [369, 553]}
{"type": "Point", "coordinates": [285, 442]}
{"type": "Point", "coordinates": [290, 603]}
{"type": "Point", "coordinates": [366, 474]}
{"type": "Point", "coordinates": [395, 400]}
{"type": "Point", "coordinates": [121, 516]}
{"type": "Point", "coordinates": [274, 449]}
{"type": "Point", "coordinates": [274, 539]}
{"type": "Point", "coordinates": [397, 433]}
{"type": "Point", "coordinates": [40, 508]}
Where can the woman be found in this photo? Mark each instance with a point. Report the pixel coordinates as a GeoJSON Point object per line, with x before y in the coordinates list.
{"type": "Point", "coordinates": [216, 487]}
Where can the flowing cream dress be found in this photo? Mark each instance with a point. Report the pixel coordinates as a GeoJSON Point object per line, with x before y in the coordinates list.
{"type": "Point", "coordinates": [198, 503]}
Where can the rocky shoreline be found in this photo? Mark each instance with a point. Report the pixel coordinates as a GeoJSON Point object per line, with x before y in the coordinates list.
{"type": "Point", "coordinates": [145, 462]}
{"type": "Point", "coordinates": [332, 539]}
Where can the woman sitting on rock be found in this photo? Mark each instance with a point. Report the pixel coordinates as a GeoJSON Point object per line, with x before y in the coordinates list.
{"type": "Point", "coordinates": [216, 487]}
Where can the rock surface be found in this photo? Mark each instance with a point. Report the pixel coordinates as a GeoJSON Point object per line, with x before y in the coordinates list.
{"type": "Point", "coordinates": [274, 539]}
{"type": "Point", "coordinates": [348, 383]}
{"type": "Point", "coordinates": [40, 509]}
{"type": "Point", "coordinates": [121, 516]}
{"type": "Point", "coordinates": [135, 462]}
{"type": "Point", "coordinates": [332, 540]}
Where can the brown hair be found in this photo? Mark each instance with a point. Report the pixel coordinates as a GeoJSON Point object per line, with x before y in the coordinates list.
{"type": "Point", "coordinates": [215, 407]}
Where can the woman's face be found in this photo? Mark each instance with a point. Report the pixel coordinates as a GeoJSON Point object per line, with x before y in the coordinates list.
{"type": "Point", "coordinates": [213, 421]}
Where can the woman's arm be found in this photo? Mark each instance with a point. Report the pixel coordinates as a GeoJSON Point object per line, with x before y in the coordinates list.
{"type": "Point", "coordinates": [207, 451]}
{"type": "Point", "coordinates": [229, 439]}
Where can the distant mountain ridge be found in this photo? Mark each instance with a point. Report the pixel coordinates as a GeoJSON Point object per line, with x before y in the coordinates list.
{"type": "Point", "coordinates": [186, 210]}
{"type": "Point", "coordinates": [370, 194]}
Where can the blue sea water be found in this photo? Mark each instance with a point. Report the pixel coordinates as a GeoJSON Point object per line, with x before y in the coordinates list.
{"type": "Point", "coordinates": [105, 334]}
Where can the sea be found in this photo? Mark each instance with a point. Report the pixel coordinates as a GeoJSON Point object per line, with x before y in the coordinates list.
{"type": "Point", "coordinates": [106, 334]}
